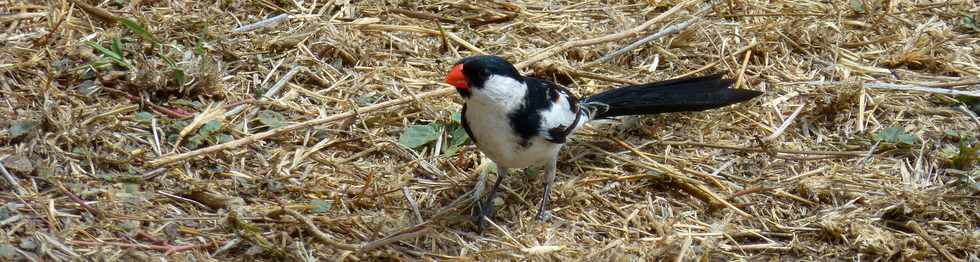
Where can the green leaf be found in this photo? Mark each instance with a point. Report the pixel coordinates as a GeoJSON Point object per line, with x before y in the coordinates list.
{"type": "Point", "coordinates": [117, 57]}
{"type": "Point", "coordinates": [889, 135]}
{"type": "Point", "coordinates": [104, 51]}
{"type": "Point", "coordinates": [969, 182]}
{"type": "Point", "coordinates": [138, 29]}
{"type": "Point", "coordinates": [966, 156]}
{"type": "Point", "coordinates": [88, 88]}
{"type": "Point", "coordinates": [8, 251]}
{"type": "Point", "coordinates": [321, 134]}
{"type": "Point", "coordinates": [366, 100]}
{"type": "Point", "coordinates": [4, 213]}
{"type": "Point", "coordinates": [949, 151]}
{"type": "Point", "coordinates": [457, 138]}
{"type": "Point", "coordinates": [457, 117]}
{"type": "Point", "coordinates": [102, 63]}
{"type": "Point", "coordinates": [951, 134]}
{"type": "Point", "coordinates": [214, 169]}
{"type": "Point", "coordinates": [144, 117]}
{"type": "Point", "coordinates": [972, 103]}
{"type": "Point", "coordinates": [202, 37]}
{"type": "Point", "coordinates": [132, 188]}
{"type": "Point", "coordinates": [187, 103]}
{"type": "Point", "coordinates": [320, 206]}
{"type": "Point", "coordinates": [450, 150]}
{"type": "Point", "coordinates": [895, 135]}
{"type": "Point", "coordinates": [196, 140]}
{"type": "Point", "coordinates": [224, 138]}
{"type": "Point", "coordinates": [180, 125]}
{"type": "Point", "coordinates": [962, 136]}
{"type": "Point", "coordinates": [907, 139]}
{"type": "Point", "coordinates": [272, 119]}
{"type": "Point", "coordinates": [199, 48]}
{"type": "Point", "coordinates": [971, 23]}
{"type": "Point", "coordinates": [210, 127]}
{"type": "Point", "coordinates": [21, 128]}
{"type": "Point", "coordinates": [116, 45]}
{"type": "Point", "coordinates": [858, 6]}
{"type": "Point", "coordinates": [531, 172]}
{"type": "Point", "coordinates": [179, 76]}
{"type": "Point", "coordinates": [418, 135]}
{"type": "Point", "coordinates": [169, 61]}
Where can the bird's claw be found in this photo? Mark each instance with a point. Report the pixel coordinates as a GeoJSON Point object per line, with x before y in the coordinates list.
{"type": "Point", "coordinates": [544, 216]}
{"type": "Point", "coordinates": [486, 211]}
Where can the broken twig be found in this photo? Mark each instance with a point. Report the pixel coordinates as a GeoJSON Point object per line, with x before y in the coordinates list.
{"type": "Point", "coordinates": [270, 22]}
{"type": "Point", "coordinates": [80, 202]}
{"type": "Point", "coordinates": [932, 242]}
{"type": "Point", "coordinates": [945, 91]}
{"type": "Point", "coordinates": [10, 179]}
{"type": "Point", "coordinates": [316, 231]}
{"type": "Point", "coordinates": [786, 123]}
{"type": "Point", "coordinates": [602, 39]}
{"type": "Point", "coordinates": [673, 29]}
{"type": "Point", "coordinates": [166, 248]}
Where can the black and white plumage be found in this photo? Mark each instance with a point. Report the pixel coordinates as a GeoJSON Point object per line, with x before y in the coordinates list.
{"type": "Point", "coordinates": [519, 121]}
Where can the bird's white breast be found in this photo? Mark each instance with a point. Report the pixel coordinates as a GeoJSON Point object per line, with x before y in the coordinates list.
{"type": "Point", "coordinates": [486, 114]}
{"type": "Point", "coordinates": [498, 141]}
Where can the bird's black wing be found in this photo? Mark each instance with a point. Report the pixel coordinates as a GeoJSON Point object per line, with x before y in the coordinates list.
{"type": "Point", "coordinates": [548, 93]}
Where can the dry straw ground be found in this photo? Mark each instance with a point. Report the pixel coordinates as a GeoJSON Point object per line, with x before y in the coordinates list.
{"type": "Point", "coordinates": [298, 156]}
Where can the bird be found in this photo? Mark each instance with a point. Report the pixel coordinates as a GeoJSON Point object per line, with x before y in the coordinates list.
{"type": "Point", "coordinates": [519, 121]}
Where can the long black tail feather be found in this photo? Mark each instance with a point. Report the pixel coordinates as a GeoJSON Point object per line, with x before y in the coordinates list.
{"type": "Point", "coordinates": [677, 95]}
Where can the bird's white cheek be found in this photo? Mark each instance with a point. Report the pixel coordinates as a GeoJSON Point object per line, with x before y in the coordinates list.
{"type": "Point", "coordinates": [503, 92]}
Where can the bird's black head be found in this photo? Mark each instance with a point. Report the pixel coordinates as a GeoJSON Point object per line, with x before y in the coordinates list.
{"type": "Point", "coordinates": [472, 72]}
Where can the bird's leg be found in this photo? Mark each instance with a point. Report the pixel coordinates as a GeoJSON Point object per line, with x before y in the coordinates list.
{"type": "Point", "coordinates": [549, 179]}
{"type": "Point", "coordinates": [487, 208]}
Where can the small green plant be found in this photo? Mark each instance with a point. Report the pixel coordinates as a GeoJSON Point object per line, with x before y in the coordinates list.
{"type": "Point", "coordinates": [971, 23]}
{"type": "Point", "coordinates": [320, 206]}
{"type": "Point", "coordinates": [114, 53]}
{"type": "Point", "coordinates": [205, 134]}
{"type": "Point", "coordinates": [8, 251]}
{"type": "Point", "coordinates": [419, 135]}
{"type": "Point", "coordinates": [965, 154]}
{"type": "Point", "coordinates": [858, 6]}
{"type": "Point", "coordinates": [115, 50]}
{"type": "Point", "coordinates": [969, 182]}
{"type": "Point", "coordinates": [21, 128]}
{"type": "Point", "coordinates": [138, 29]}
{"type": "Point", "coordinates": [971, 103]}
{"type": "Point", "coordinates": [143, 117]}
{"type": "Point", "coordinates": [272, 119]}
{"type": "Point", "coordinates": [895, 136]}
{"type": "Point", "coordinates": [208, 134]}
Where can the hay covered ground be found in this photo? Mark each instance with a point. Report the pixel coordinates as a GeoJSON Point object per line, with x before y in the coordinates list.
{"type": "Point", "coordinates": [98, 98]}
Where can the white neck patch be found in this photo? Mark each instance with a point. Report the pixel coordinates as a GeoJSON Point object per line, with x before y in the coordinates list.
{"type": "Point", "coordinates": [500, 91]}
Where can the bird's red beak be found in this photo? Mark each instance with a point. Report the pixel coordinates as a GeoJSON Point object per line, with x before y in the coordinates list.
{"type": "Point", "coordinates": [457, 79]}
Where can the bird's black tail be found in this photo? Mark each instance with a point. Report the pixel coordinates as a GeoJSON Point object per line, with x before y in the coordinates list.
{"type": "Point", "coordinates": [677, 95]}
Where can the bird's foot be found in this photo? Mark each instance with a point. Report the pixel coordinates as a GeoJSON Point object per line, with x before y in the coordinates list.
{"type": "Point", "coordinates": [543, 213]}
{"type": "Point", "coordinates": [544, 216]}
{"type": "Point", "coordinates": [488, 207]}
{"type": "Point", "coordinates": [486, 211]}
